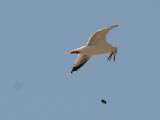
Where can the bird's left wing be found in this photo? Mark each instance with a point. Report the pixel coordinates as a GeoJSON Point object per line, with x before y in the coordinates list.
{"type": "Point", "coordinates": [80, 61]}
{"type": "Point", "coordinates": [100, 36]}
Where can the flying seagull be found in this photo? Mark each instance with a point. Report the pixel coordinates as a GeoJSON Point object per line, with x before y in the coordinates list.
{"type": "Point", "coordinates": [95, 45]}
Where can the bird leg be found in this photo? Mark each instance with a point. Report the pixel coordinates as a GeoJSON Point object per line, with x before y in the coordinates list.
{"type": "Point", "coordinates": [110, 56]}
{"type": "Point", "coordinates": [114, 57]}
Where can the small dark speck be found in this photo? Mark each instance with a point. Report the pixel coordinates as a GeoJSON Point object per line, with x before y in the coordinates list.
{"type": "Point", "coordinates": [104, 101]}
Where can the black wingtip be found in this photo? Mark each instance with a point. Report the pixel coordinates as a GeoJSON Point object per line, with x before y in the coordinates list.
{"type": "Point", "coordinates": [72, 72]}
{"type": "Point", "coordinates": [73, 69]}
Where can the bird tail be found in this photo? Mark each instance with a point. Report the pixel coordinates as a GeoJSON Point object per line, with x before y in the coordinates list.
{"type": "Point", "coordinates": [72, 52]}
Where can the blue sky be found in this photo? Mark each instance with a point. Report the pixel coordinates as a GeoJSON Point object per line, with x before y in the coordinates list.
{"type": "Point", "coordinates": [35, 83]}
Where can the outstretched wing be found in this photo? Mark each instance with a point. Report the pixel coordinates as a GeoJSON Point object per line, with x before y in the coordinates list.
{"type": "Point", "coordinates": [80, 61]}
{"type": "Point", "coordinates": [100, 36]}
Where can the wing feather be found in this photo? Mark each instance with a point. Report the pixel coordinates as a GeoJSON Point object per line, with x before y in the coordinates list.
{"type": "Point", "coordinates": [80, 61]}
{"type": "Point", "coordinates": [99, 37]}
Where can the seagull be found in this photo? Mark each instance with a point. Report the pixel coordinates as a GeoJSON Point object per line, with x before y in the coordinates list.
{"type": "Point", "coordinates": [95, 45]}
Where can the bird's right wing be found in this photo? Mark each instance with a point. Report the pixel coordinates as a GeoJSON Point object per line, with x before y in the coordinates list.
{"type": "Point", "coordinates": [100, 36]}
{"type": "Point", "coordinates": [79, 62]}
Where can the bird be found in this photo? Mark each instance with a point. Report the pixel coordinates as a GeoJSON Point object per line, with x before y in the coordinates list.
{"type": "Point", "coordinates": [96, 45]}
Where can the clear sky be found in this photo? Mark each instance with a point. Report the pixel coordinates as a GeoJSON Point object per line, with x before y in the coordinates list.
{"type": "Point", "coordinates": [35, 83]}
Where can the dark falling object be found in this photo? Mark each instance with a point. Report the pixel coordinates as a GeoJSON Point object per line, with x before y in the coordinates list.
{"type": "Point", "coordinates": [104, 101]}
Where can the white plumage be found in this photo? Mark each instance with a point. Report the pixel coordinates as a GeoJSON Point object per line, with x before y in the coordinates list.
{"type": "Point", "coordinates": [96, 44]}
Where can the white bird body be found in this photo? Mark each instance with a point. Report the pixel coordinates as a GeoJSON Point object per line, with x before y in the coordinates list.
{"type": "Point", "coordinates": [94, 49]}
{"type": "Point", "coordinates": [96, 45]}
